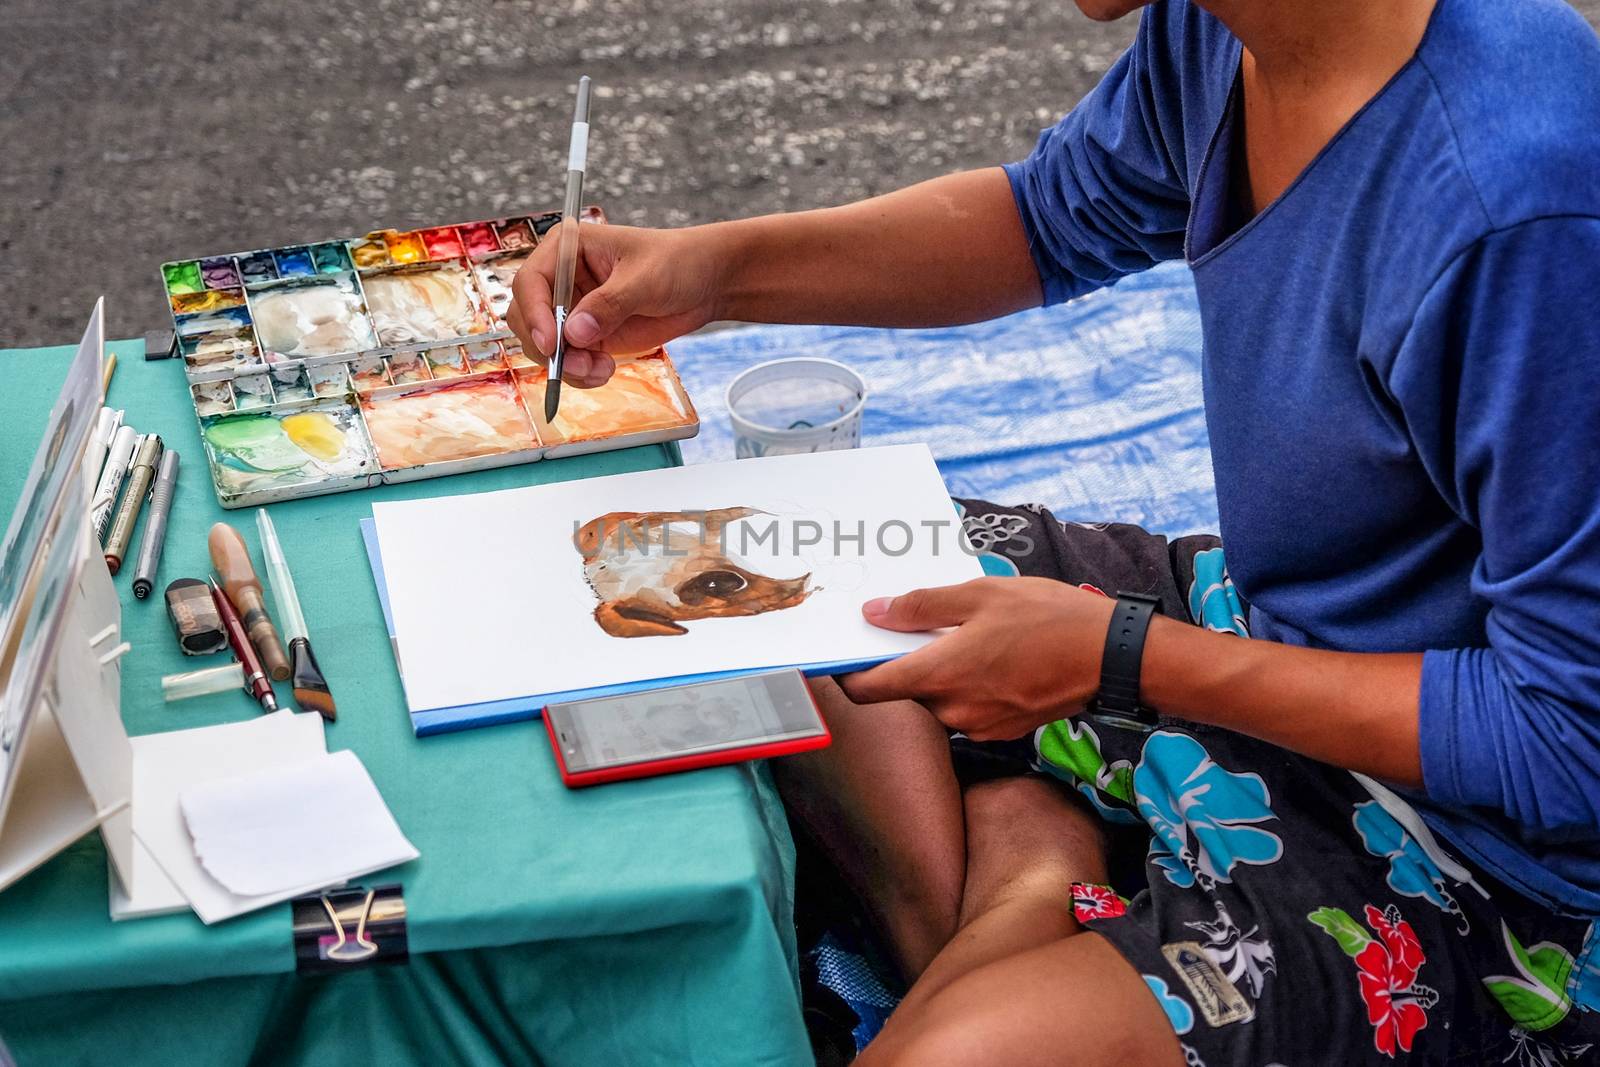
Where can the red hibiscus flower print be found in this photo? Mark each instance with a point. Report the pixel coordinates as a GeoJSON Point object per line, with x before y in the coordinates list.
{"type": "Point", "coordinates": [1090, 902]}
{"type": "Point", "coordinates": [1387, 966]}
{"type": "Point", "coordinates": [1396, 1005]}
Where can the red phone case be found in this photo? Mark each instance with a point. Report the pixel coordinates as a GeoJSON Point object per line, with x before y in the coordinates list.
{"type": "Point", "coordinates": [674, 764]}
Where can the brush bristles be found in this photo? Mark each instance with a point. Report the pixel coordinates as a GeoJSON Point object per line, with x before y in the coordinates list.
{"type": "Point", "coordinates": [310, 688]}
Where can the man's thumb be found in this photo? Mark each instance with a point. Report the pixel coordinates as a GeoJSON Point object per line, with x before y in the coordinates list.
{"type": "Point", "coordinates": [923, 609]}
{"type": "Point", "coordinates": [599, 314]}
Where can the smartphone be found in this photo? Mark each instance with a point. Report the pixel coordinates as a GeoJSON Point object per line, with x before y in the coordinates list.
{"type": "Point", "coordinates": [683, 727]}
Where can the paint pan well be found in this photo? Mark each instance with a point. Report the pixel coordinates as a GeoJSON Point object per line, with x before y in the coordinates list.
{"type": "Point", "coordinates": [330, 257]}
{"type": "Point", "coordinates": [320, 318]}
{"type": "Point", "coordinates": [494, 280]}
{"type": "Point", "coordinates": [405, 247]}
{"type": "Point", "coordinates": [436, 303]}
{"type": "Point", "coordinates": [408, 367]}
{"type": "Point", "coordinates": [516, 234]}
{"type": "Point", "coordinates": [212, 398]}
{"type": "Point", "coordinates": [643, 395]}
{"type": "Point", "coordinates": [220, 273]}
{"type": "Point", "coordinates": [370, 252]}
{"type": "Point", "coordinates": [368, 373]}
{"type": "Point", "coordinates": [447, 362]}
{"type": "Point", "coordinates": [446, 421]}
{"type": "Point", "coordinates": [291, 383]}
{"type": "Point", "coordinates": [294, 262]}
{"type": "Point", "coordinates": [442, 242]}
{"type": "Point", "coordinates": [219, 351]}
{"type": "Point", "coordinates": [329, 379]}
{"type": "Point", "coordinates": [257, 268]}
{"type": "Point", "coordinates": [479, 238]}
{"type": "Point", "coordinates": [266, 452]}
{"type": "Point", "coordinates": [207, 300]}
{"type": "Point", "coordinates": [484, 356]}
{"type": "Point", "coordinates": [182, 277]}
{"type": "Point", "coordinates": [252, 392]}
{"type": "Point", "coordinates": [229, 321]}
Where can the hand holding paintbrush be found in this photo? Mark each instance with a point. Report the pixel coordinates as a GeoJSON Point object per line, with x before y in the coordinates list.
{"type": "Point", "coordinates": [567, 244]}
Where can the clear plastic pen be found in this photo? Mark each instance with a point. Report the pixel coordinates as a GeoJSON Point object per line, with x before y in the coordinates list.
{"type": "Point", "coordinates": [567, 246]}
{"type": "Point", "coordinates": [284, 596]}
{"type": "Point", "coordinates": [311, 691]}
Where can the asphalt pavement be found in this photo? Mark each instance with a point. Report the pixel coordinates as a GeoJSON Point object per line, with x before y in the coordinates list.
{"type": "Point", "coordinates": [136, 132]}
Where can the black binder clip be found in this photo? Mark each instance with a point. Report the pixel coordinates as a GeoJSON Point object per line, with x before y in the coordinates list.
{"type": "Point", "coordinates": [351, 927]}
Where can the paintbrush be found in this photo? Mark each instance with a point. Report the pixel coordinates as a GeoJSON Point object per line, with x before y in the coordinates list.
{"type": "Point", "coordinates": [310, 688]}
{"type": "Point", "coordinates": [567, 246]}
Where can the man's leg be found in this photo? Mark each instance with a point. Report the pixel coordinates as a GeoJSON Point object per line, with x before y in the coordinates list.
{"type": "Point", "coordinates": [883, 803]}
{"type": "Point", "coordinates": [1021, 984]}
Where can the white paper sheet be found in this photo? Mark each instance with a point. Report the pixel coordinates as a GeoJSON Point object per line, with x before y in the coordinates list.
{"type": "Point", "coordinates": [166, 764]}
{"type": "Point", "coordinates": [151, 892]}
{"type": "Point", "coordinates": [490, 599]}
{"type": "Point", "coordinates": [294, 828]}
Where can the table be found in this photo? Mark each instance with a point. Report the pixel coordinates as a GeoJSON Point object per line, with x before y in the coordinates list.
{"type": "Point", "coordinates": [645, 922]}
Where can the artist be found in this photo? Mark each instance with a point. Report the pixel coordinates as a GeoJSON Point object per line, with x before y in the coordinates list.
{"type": "Point", "coordinates": [1369, 815]}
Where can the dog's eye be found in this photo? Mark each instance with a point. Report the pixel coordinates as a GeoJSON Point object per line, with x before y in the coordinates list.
{"type": "Point", "coordinates": [717, 584]}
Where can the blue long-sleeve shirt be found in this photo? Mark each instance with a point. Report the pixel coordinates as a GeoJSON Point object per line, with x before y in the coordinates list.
{"type": "Point", "coordinates": [1402, 382]}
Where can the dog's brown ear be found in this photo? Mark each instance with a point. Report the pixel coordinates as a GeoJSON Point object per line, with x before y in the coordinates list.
{"type": "Point", "coordinates": [717, 518]}
{"type": "Point", "coordinates": [627, 618]}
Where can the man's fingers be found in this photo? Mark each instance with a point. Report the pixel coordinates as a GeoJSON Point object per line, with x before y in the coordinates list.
{"type": "Point", "coordinates": [899, 679]}
{"type": "Point", "coordinates": [927, 609]}
{"type": "Point", "coordinates": [584, 368]}
{"type": "Point", "coordinates": [530, 304]}
{"type": "Point", "coordinates": [594, 371]}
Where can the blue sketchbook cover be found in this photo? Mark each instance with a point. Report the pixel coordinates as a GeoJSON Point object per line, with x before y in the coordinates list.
{"type": "Point", "coordinates": [466, 716]}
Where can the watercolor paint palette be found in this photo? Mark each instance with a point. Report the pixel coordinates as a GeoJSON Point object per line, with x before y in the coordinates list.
{"type": "Point", "coordinates": [345, 364]}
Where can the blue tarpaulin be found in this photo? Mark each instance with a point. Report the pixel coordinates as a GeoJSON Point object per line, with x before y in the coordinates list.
{"type": "Point", "coordinates": [1091, 408]}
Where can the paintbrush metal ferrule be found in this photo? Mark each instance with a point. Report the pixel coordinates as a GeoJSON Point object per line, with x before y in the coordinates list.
{"type": "Point", "coordinates": [552, 385]}
{"type": "Point", "coordinates": [310, 688]}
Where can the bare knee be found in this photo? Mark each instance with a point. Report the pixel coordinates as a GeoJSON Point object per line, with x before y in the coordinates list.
{"type": "Point", "coordinates": [1027, 836]}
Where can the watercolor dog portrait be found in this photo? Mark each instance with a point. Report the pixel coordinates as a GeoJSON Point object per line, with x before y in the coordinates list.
{"type": "Point", "coordinates": [640, 580]}
{"type": "Point", "coordinates": [656, 570]}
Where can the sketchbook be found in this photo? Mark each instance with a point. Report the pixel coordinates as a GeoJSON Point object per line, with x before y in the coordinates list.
{"type": "Point", "coordinates": [500, 603]}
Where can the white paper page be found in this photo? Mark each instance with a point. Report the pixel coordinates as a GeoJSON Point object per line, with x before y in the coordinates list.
{"type": "Point", "coordinates": [491, 602]}
{"type": "Point", "coordinates": [166, 764]}
{"type": "Point", "coordinates": [152, 892]}
{"type": "Point", "coordinates": [294, 828]}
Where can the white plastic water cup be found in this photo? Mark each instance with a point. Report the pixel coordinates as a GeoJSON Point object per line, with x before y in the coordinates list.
{"type": "Point", "coordinates": [794, 405]}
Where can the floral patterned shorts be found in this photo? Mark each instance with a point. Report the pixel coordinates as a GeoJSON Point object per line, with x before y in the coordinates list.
{"type": "Point", "coordinates": [1285, 911]}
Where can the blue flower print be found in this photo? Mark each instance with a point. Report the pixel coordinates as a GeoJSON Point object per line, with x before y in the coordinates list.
{"type": "Point", "coordinates": [1202, 815]}
{"type": "Point", "coordinates": [1412, 872]}
{"type": "Point", "coordinates": [1179, 1014]}
{"type": "Point", "coordinates": [1213, 601]}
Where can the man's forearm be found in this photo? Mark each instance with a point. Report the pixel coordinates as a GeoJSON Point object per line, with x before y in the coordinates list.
{"type": "Point", "coordinates": [1353, 710]}
{"type": "Point", "coordinates": [944, 252]}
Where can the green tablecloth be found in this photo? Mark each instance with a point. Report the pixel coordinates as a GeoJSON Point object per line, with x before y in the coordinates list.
{"type": "Point", "coordinates": [640, 923]}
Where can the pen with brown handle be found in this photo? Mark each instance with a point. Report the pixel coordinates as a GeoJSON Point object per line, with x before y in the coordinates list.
{"type": "Point", "coordinates": [232, 560]}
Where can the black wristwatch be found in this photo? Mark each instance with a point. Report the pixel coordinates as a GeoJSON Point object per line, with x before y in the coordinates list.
{"type": "Point", "coordinates": [1118, 703]}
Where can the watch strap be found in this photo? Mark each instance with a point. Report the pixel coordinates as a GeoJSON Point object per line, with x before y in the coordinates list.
{"type": "Point", "coordinates": [1123, 656]}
